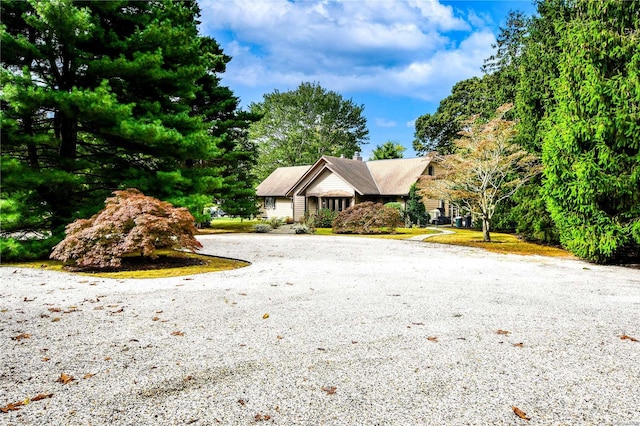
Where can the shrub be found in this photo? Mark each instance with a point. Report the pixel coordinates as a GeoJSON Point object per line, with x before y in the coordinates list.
{"type": "Point", "coordinates": [275, 222]}
{"type": "Point", "coordinates": [262, 228]}
{"type": "Point", "coordinates": [301, 228]}
{"type": "Point", "coordinates": [130, 223]}
{"type": "Point", "coordinates": [397, 206]}
{"type": "Point", "coordinates": [323, 218]}
{"type": "Point", "coordinates": [367, 218]}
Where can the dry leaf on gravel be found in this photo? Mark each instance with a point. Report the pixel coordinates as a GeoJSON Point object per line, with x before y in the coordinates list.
{"type": "Point", "coordinates": [519, 345]}
{"type": "Point", "coordinates": [520, 413]}
{"type": "Point", "coordinates": [177, 333]}
{"type": "Point", "coordinates": [330, 390]}
{"type": "Point", "coordinates": [88, 376]}
{"type": "Point", "coordinates": [432, 339]}
{"type": "Point", "coordinates": [21, 336]}
{"type": "Point", "coordinates": [265, 316]}
{"type": "Point", "coordinates": [41, 396]}
{"type": "Point", "coordinates": [65, 378]}
{"type": "Point", "coordinates": [625, 337]}
{"type": "Point", "coordinates": [503, 332]}
{"type": "Point", "coordinates": [12, 406]}
{"type": "Point", "coordinates": [155, 319]}
{"type": "Point", "coordinates": [262, 417]}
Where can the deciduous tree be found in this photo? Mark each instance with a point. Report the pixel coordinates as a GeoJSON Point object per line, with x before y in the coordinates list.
{"type": "Point", "coordinates": [486, 169]}
{"type": "Point", "coordinates": [130, 223]}
{"type": "Point", "coordinates": [388, 150]}
{"type": "Point", "coordinates": [299, 126]}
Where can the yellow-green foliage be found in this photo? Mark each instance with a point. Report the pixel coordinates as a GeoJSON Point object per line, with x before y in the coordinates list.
{"type": "Point", "coordinates": [500, 243]}
{"type": "Point", "coordinates": [211, 264]}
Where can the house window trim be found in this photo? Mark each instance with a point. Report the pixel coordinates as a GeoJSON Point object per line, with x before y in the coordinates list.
{"type": "Point", "coordinates": [269, 203]}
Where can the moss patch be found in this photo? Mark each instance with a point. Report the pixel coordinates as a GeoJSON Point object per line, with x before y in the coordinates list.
{"type": "Point", "coordinates": [500, 243]}
{"type": "Point", "coordinates": [168, 264]}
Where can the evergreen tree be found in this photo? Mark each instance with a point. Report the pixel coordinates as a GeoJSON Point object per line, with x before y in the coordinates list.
{"type": "Point", "coordinates": [99, 96]}
{"type": "Point", "coordinates": [591, 150]}
{"type": "Point", "coordinates": [416, 211]}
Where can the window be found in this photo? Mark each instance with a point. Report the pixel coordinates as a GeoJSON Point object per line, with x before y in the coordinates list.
{"type": "Point", "coordinates": [269, 203]}
{"type": "Point", "coordinates": [336, 204]}
{"type": "Point", "coordinates": [430, 170]}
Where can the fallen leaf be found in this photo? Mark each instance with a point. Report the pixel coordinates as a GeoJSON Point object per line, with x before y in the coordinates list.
{"type": "Point", "coordinates": [278, 337]}
{"type": "Point", "coordinates": [177, 333]}
{"type": "Point", "coordinates": [41, 396]}
{"type": "Point", "coordinates": [242, 294]}
{"type": "Point", "coordinates": [45, 359]}
{"type": "Point", "coordinates": [55, 310]}
{"type": "Point", "coordinates": [417, 323]}
{"type": "Point", "coordinates": [353, 342]}
{"type": "Point", "coordinates": [88, 376]}
{"type": "Point", "coordinates": [625, 337]}
{"type": "Point", "coordinates": [241, 402]}
{"type": "Point", "coordinates": [155, 319]}
{"type": "Point", "coordinates": [55, 319]}
{"type": "Point", "coordinates": [28, 300]}
{"type": "Point", "coordinates": [65, 378]}
{"type": "Point", "coordinates": [14, 406]}
{"type": "Point", "coordinates": [432, 339]}
{"type": "Point", "coordinates": [159, 312]}
{"type": "Point", "coordinates": [520, 413]}
{"type": "Point", "coordinates": [117, 312]}
{"type": "Point", "coordinates": [519, 345]}
{"type": "Point", "coordinates": [21, 336]}
{"type": "Point", "coordinates": [329, 390]}
{"type": "Point", "coordinates": [265, 316]}
{"type": "Point", "coordinates": [107, 358]}
{"type": "Point", "coordinates": [504, 332]}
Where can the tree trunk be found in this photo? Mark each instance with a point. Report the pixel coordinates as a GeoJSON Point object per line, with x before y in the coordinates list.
{"type": "Point", "coordinates": [485, 230]}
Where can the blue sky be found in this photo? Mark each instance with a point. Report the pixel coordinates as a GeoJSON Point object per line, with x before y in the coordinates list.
{"type": "Point", "coordinates": [398, 58]}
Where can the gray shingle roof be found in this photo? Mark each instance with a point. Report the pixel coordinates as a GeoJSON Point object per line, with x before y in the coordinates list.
{"type": "Point", "coordinates": [280, 181]}
{"type": "Point", "coordinates": [380, 177]}
{"type": "Point", "coordinates": [395, 177]}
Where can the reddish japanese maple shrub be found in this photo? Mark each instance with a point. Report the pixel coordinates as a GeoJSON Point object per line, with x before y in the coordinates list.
{"type": "Point", "coordinates": [367, 218]}
{"type": "Point", "coordinates": [130, 223]}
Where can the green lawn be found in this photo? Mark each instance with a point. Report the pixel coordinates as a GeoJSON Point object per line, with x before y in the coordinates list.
{"type": "Point", "coordinates": [229, 225]}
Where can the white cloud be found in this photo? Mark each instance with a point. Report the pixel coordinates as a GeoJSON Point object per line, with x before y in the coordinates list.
{"type": "Point", "coordinates": [416, 48]}
{"type": "Point", "coordinates": [383, 122]}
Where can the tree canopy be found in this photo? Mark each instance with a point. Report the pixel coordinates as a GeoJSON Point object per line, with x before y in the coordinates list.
{"type": "Point", "coordinates": [105, 95]}
{"type": "Point", "coordinates": [591, 149]}
{"type": "Point", "coordinates": [299, 126]}
{"type": "Point", "coordinates": [387, 151]}
{"type": "Point", "coordinates": [485, 169]}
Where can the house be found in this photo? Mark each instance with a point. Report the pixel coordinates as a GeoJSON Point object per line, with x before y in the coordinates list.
{"type": "Point", "coordinates": [338, 183]}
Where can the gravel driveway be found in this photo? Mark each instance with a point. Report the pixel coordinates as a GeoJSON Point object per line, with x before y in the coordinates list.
{"type": "Point", "coordinates": [326, 330]}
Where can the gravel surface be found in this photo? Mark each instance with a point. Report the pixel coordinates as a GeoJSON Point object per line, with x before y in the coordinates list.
{"type": "Point", "coordinates": [326, 330]}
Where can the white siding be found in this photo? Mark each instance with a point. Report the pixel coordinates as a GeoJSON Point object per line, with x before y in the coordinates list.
{"type": "Point", "coordinates": [283, 209]}
{"type": "Point", "coordinates": [327, 182]}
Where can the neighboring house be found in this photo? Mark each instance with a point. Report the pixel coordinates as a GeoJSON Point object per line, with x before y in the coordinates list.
{"type": "Point", "coordinates": [338, 183]}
